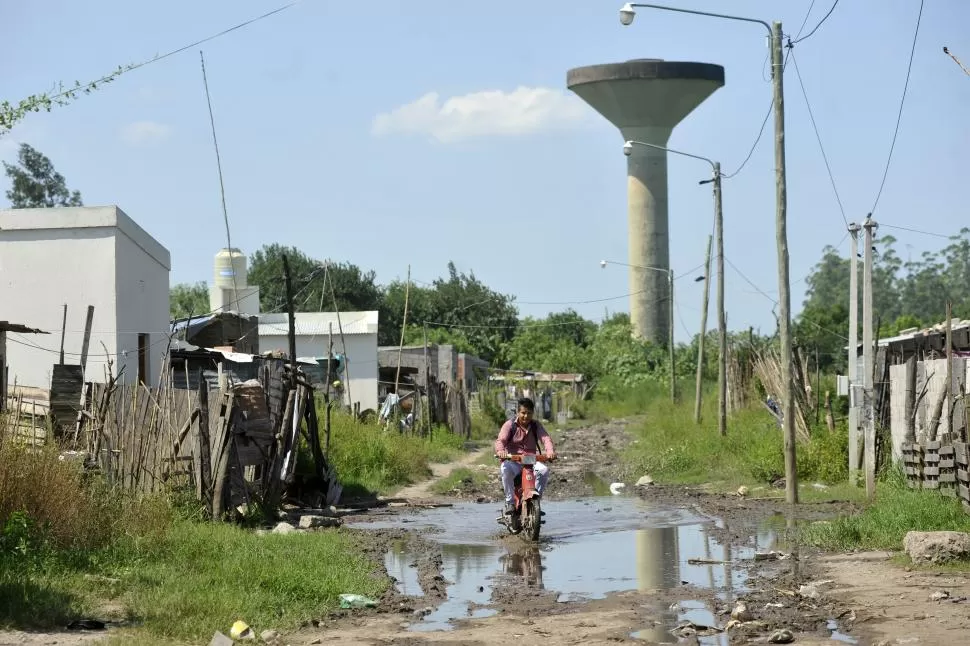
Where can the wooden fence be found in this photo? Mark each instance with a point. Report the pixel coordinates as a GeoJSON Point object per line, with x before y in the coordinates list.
{"type": "Point", "coordinates": [234, 446]}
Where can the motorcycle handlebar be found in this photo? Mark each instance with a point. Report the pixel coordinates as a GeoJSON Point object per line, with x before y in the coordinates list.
{"type": "Point", "coordinates": [518, 458]}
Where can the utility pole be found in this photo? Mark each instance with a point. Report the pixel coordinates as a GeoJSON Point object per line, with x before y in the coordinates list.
{"type": "Point", "coordinates": [698, 387]}
{"type": "Point", "coordinates": [784, 283]}
{"type": "Point", "coordinates": [291, 316]}
{"type": "Point", "coordinates": [853, 367]}
{"type": "Point", "coordinates": [721, 318]}
{"type": "Point", "coordinates": [670, 340]}
{"type": "Point", "coordinates": [868, 415]}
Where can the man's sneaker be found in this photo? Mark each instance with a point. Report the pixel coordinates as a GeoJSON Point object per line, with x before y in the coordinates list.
{"type": "Point", "coordinates": [509, 508]}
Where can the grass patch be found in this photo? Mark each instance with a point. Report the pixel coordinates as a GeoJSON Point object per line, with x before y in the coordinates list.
{"type": "Point", "coordinates": [882, 526]}
{"type": "Point", "coordinates": [196, 579]}
{"type": "Point", "coordinates": [672, 448]}
{"type": "Point", "coordinates": [71, 547]}
{"type": "Point", "coordinates": [458, 479]}
{"type": "Point", "coordinates": [372, 460]}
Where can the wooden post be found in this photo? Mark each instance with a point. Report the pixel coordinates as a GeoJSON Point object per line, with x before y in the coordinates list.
{"type": "Point", "coordinates": [949, 366]}
{"type": "Point", "coordinates": [427, 376]}
{"type": "Point", "coordinates": [698, 386]}
{"type": "Point", "coordinates": [343, 344]}
{"type": "Point", "coordinates": [85, 344]}
{"type": "Point", "coordinates": [291, 333]}
{"type": "Point", "coordinates": [404, 325]}
{"type": "Point", "coordinates": [818, 386]}
{"type": "Point", "coordinates": [63, 333]}
{"type": "Point", "coordinates": [829, 416]}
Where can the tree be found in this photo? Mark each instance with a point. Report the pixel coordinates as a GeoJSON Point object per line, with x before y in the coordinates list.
{"type": "Point", "coordinates": [558, 343]}
{"type": "Point", "coordinates": [35, 183]}
{"type": "Point", "coordinates": [188, 300]}
{"type": "Point", "coordinates": [315, 283]}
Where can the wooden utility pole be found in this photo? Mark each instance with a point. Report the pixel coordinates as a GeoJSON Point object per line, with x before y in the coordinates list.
{"type": "Point", "coordinates": [721, 316]}
{"type": "Point", "coordinates": [670, 339]}
{"type": "Point", "coordinates": [784, 280]}
{"type": "Point", "coordinates": [949, 367]}
{"type": "Point", "coordinates": [853, 365]}
{"type": "Point", "coordinates": [427, 376]}
{"type": "Point", "coordinates": [291, 333]}
{"type": "Point", "coordinates": [698, 386]}
{"type": "Point", "coordinates": [404, 326]}
{"type": "Point", "coordinates": [868, 414]}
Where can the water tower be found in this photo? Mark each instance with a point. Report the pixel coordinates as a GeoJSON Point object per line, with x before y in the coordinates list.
{"type": "Point", "coordinates": [645, 99]}
{"type": "Point", "coordinates": [229, 291]}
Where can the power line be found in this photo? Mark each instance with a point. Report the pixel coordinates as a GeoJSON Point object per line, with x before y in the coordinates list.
{"type": "Point", "coordinates": [926, 233]}
{"type": "Point", "coordinates": [761, 132]}
{"type": "Point", "coordinates": [129, 68]}
{"type": "Point", "coordinates": [814, 29]}
{"type": "Point", "coordinates": [805, 20]}
{"type": "Point", "coordinates": [818, 137]}
{"type": "Point", "coordinates": [902, 101]}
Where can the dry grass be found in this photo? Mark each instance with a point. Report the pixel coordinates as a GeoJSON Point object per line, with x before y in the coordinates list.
{"type": "Point", "coordinates": [65, 508]}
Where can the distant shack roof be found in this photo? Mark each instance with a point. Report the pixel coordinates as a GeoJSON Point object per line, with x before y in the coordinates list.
{"type": "Point", "coordinates": [6, 326]}
{"type": "Point", "coordinates": [319, 323]}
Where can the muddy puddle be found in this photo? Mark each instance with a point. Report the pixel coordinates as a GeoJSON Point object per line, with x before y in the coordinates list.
{"type": "Point", "coordinates": [589, 549]}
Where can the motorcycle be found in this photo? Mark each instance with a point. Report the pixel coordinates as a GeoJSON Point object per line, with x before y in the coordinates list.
{"type": "Point", "coordinates": [528, 511]}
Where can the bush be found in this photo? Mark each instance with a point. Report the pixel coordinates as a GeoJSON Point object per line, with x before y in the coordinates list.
{"type": "Point", "coordinates": [670, 445]}
{"type": "Point", "coordinates": [60, 507]}
{"type": "Point", "coordinates": [370, 459]}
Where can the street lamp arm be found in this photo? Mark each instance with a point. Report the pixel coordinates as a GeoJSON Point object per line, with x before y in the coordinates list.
{"type": "Point", "coordinates": [632, 143]}
{"type": "Point", "coordinates": [700, 13]}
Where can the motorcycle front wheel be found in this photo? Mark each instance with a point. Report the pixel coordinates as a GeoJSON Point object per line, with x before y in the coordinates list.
{"type": "Point", "coordinates": [532, 518]}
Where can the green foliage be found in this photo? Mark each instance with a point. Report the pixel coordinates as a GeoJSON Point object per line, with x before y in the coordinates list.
{"type": "Point", "coordinates": [188, 300]}
{"type": "Point", "coordinates": [905, 294]}
{"type": "Point", "coordinates": [370, 459]}
{"type": "Point", "coordinates": [316, 284]}
{"type": "Point", "coordinates": [11, 114]}
{"type": "Point", "coordinates": [35, 183]}
{"type": "Point", "coordinates": [274, 581]}
{"type": "Point", "coordinates": [671, 448]}
{"type": "Point", "coordinates": [897, 510]}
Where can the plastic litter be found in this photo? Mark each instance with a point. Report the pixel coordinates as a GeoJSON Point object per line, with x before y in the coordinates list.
{"type": "Point", "coordinates": [356, 601]}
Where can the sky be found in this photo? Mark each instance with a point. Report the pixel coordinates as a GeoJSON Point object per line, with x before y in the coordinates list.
{"type": "Point", "coordinates": [391, 133]}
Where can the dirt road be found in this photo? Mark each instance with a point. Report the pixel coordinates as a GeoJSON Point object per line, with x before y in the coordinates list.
{"type": "Point", "coordinates": [653, 565]}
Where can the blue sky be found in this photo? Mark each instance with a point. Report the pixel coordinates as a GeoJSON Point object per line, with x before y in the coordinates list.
{"type": "Point", "coordinates": [522, 184]}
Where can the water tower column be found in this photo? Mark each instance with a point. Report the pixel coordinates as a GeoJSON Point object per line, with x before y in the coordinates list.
{"type": "Point", "coordinates": [649, 238]}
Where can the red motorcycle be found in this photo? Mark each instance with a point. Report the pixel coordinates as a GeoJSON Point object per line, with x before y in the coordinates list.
{"type": "Point", "coordinates": [528, 512]}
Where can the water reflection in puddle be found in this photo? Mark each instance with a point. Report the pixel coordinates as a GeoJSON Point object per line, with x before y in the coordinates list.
{"type": "Point", "coordinates": [590, 548]}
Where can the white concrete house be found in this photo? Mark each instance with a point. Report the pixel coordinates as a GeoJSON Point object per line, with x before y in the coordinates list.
{"type": "Point", "coordinates": [83, 256]}
{"type": "Point", "coordinates": [313, 338]}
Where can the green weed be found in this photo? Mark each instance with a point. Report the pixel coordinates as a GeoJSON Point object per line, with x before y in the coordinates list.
{"type": "Point", "coordinates": [459, 478]}
{"type": "Point", "coordinates": [896, 510]}
{"type": "Point", "coordinates": [370, 459]}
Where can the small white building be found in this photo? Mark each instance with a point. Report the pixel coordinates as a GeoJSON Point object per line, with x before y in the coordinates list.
{"type": "Point", "coordinates": [354, 336]}
{"type": "Point", "coordinates": [81, 256]}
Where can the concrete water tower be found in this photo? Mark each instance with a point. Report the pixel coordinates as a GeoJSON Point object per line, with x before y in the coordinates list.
{"type": "Point", "coordinates": [229, 291]}
{"type": "Point", "coordinates": [645, 99]}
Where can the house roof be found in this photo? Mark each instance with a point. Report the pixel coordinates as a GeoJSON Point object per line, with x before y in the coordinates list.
{"type": "Point", "coordinates": [84, 217]}
{"type": "Point", "coordinates": [319, 323]}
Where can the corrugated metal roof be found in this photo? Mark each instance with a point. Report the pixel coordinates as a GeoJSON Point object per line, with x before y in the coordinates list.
{"type": "Point", "coordinates": [318, 323]}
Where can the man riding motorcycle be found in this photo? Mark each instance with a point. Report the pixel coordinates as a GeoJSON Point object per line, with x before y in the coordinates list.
{"type": "Point", "coordinates": [521, 435]}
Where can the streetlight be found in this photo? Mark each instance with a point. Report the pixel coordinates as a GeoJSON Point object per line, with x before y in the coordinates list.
{"type": "Point", "coordinates": [670, 322]}
{"type": "Point", "coordinates": [627, 14]}
{"type": "Point", "coordinates": [721, 320]}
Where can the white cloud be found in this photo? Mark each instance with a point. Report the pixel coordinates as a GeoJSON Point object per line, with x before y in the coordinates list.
{"type": "Point", "coordinates": [525, 110]}
{"type": "Point", "coordinates": [145, 132]}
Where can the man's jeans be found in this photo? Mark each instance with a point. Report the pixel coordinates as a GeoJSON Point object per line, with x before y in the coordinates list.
{"type": "Point", "coordinates": [511, 469]}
